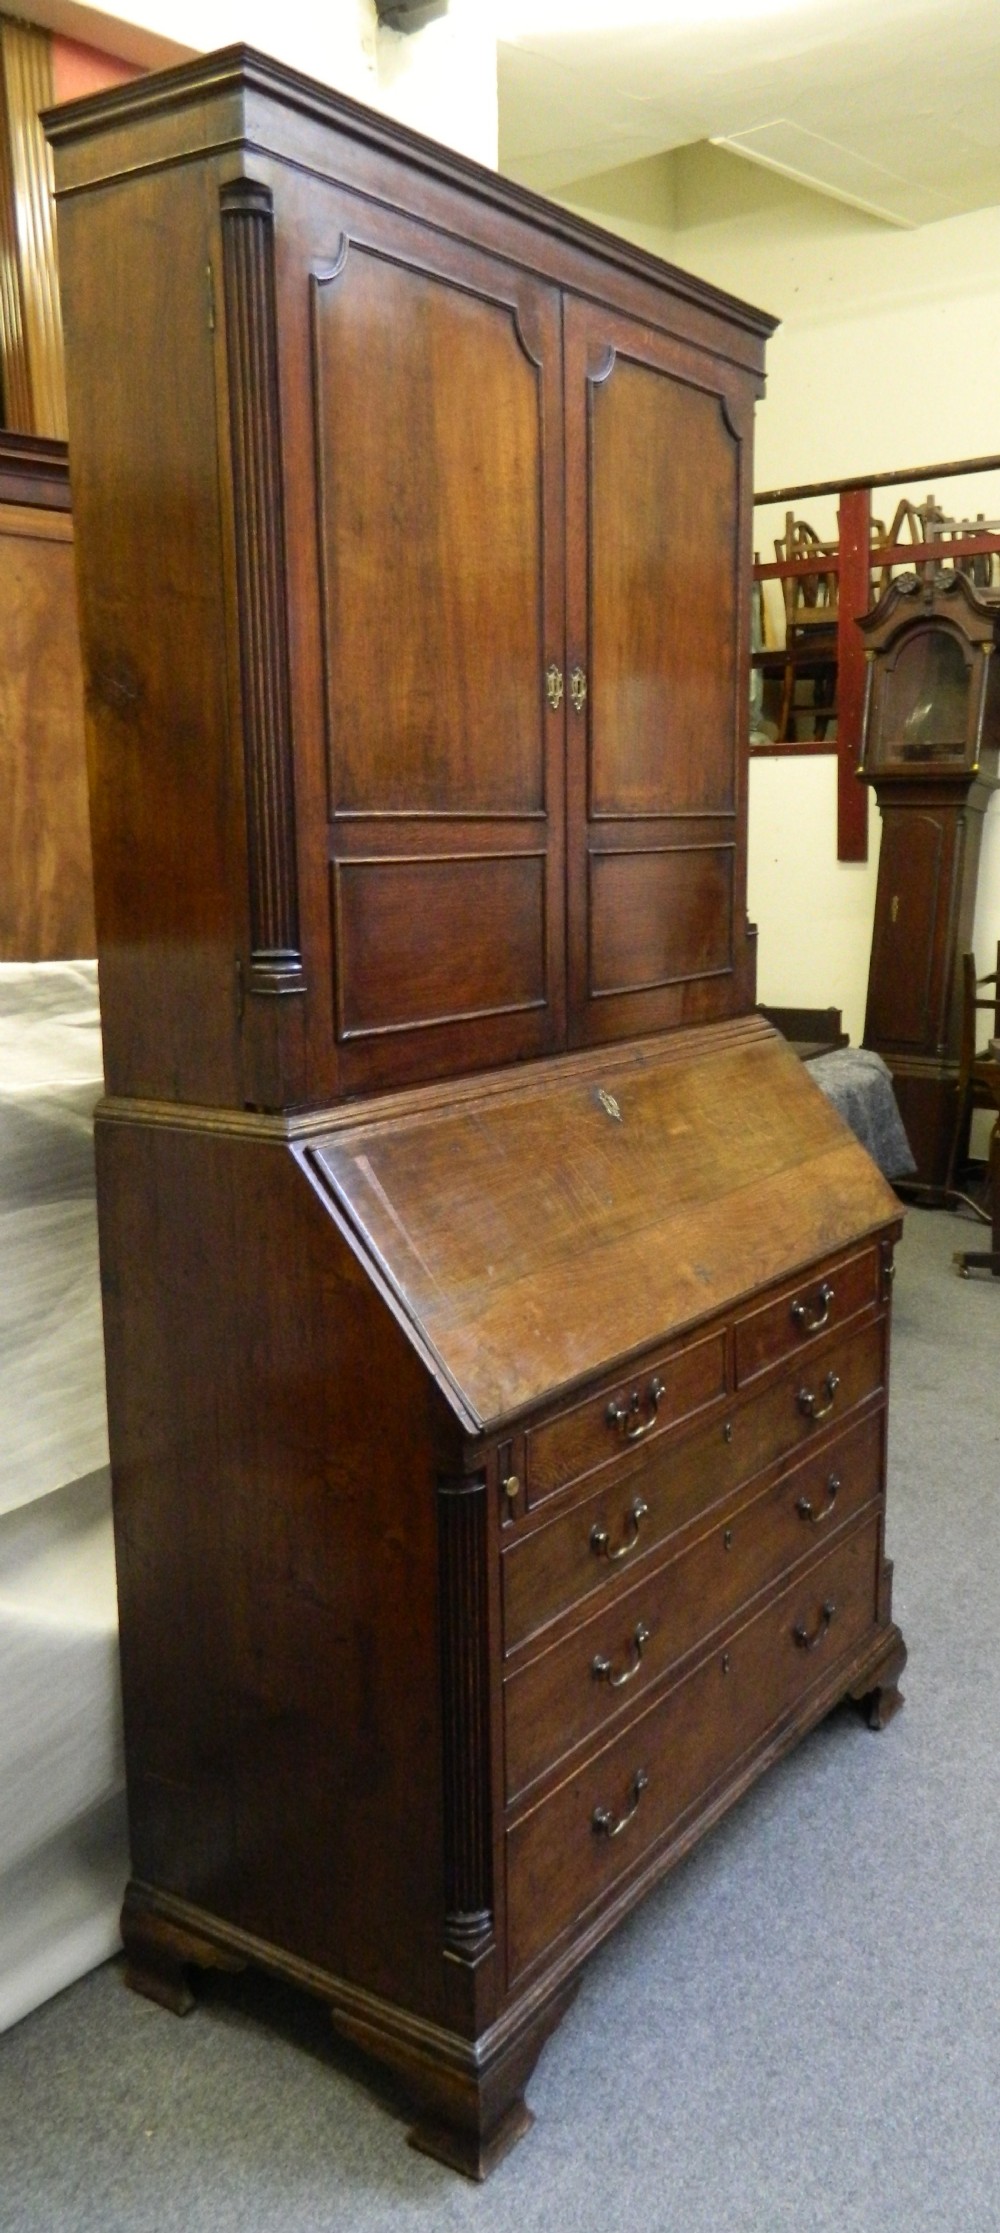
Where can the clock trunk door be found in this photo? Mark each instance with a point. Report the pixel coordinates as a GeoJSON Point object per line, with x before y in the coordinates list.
{"type": "Point", "coordinates": [657, 602]}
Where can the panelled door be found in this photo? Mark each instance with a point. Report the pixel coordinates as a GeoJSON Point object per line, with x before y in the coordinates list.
{"type": "Point", "coordinates": [657, 473]}
{"type": "Point", "coordinates": [437, 402]}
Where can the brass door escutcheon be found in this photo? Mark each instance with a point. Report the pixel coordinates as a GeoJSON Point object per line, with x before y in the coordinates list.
{"type": "Point", "coordinates": [554, 687]}
{"type": "Point", "coordinates": [578, 689]}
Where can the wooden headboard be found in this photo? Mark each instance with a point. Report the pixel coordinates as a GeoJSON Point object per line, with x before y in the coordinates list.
{"type": "Point", "coordinates": [46, 892]}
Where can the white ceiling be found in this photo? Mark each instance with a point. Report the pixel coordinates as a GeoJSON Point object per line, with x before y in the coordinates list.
{"type": "Point", "coordinates": [893, 105]}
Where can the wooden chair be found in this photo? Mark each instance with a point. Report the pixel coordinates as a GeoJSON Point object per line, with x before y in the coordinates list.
{"type": "Point", "coordinates": [921, 522]}
{"type": "Point", "coordinates": [810, 629]}
{"type": "Point", "coordinates": [927, 523]}
{"type": "Point", "coordinates": [979, 1088]}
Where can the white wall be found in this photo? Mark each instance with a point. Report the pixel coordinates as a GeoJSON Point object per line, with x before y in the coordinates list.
{"type": "Point", "coordinates": [887, 356]}
{"type": "Point", "coordinates": [441, 80]}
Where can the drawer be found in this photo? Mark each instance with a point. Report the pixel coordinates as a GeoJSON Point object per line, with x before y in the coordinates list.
{"type": "Point", "coordinates": [797, 1316]}
{"type": "Point", "coordinates": [591, 1546]}
{"type": "Point", "coordinates": [574, 1847]}
{"type": "Point", "coordinates": [578, 1687]}
{"type": "Point", "coordinates": [625, 1413]}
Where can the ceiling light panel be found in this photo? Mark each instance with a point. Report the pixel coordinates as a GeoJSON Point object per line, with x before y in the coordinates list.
{"type": "Point", "coordinates": [832, 168]}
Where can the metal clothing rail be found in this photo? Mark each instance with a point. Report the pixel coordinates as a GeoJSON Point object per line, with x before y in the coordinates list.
{"type": "Point", "coordinates": [948, 472]}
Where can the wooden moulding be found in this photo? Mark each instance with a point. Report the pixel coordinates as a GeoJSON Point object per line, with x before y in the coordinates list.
{"type": "Point", "coordinates": [470, 2093]}
{"type": "Point", "coordinates": [217, 99]}
{"type": "Point", "coordinates": [31, 342]}
{"type": "Point", "coordinates": [252, 336]}
{"type": "Point", "coordinates": [465, 1701]}
{"type": "Point", "coordinates": [34, 471]}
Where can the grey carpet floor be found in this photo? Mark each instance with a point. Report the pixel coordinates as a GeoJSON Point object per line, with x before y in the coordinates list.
{"type": "Point", "coordinates": [797, 2031]}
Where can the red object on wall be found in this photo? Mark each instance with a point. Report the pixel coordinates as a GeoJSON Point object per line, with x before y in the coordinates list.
{"type": "Point", "coordinates": [78, 69]}
{"type": "Point", "coordinates": [853, 599]}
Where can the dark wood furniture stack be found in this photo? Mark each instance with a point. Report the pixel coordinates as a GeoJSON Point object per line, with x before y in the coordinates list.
{"type": "Point", "coordinates": [46, 883]}
{"type": "Point", "coordinates": [811, 1031]}
{"type": "Point", "coordinates": [930, 748]}
{"type": "Point", "coordinates": [496, 1315]}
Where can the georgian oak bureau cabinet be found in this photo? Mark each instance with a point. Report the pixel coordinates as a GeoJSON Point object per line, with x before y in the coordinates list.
{"type": "Point", "coordinates": [496, 1315]}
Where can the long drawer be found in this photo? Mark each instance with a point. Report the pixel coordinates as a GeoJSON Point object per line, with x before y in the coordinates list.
{"type": "Point", "coordinates": [600, 1537]}
{"type": "Point", "coordinates": [570, 1692]}
{"type": "Point", "coordinates": [573, 1848]}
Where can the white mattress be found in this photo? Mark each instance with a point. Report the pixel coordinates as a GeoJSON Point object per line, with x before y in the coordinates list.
{"type": "Point", "coordinates": [51, 1353]}
{"type": "Point", "coordinates": [63, 1845]}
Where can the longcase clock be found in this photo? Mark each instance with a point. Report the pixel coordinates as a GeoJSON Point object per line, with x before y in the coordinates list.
{"type": "Point", "coordinates": [930, 748]}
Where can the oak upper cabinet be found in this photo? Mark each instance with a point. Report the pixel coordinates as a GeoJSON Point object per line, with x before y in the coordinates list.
{"type": "Point", "coordinates": [493, 611]}
{"type": "Point", "coordinates": [447, 498]}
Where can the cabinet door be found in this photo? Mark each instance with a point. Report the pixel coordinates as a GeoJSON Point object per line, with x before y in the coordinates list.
{"type": "Point", "coordinates": [437, 408]}
{"type": "Point", "coordinates": [658, 512]}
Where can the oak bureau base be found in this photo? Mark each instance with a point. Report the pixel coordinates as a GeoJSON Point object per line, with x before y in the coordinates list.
{"type": "Point", "coordinates": [471, 2098]}
{"type": "Point", "coordinates": [437, 1653]}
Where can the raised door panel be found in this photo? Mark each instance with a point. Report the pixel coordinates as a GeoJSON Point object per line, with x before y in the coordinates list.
{"type": "Point", "coordinates": [657, 510]}
{"type": "Point", "coordinates": [430, 470]}
{"type": "Point", "coordinates": [437, 410]}
{"type": "Point", "coordinates": [663, 507]}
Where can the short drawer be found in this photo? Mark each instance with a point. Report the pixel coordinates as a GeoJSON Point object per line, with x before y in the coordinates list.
{"type": "Point", "coordinates": [639, 1409]}
{"type": "Point", "coordinates": [578, 1687]}
{"type": "Point", "coordinates": [589, 1547]}
{"type": "Point", "coordinates": [575, 1846]}
{"type": "Point", "coordinates": [796, 1317]}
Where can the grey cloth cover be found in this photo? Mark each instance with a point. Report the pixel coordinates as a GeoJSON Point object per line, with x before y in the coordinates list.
{"type": "Point", "coordinates": [859, 1084]}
